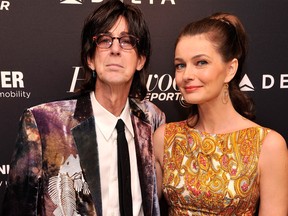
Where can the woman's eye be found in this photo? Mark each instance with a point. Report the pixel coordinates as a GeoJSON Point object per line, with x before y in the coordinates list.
{"type": "Point", "coordinates": [179, 66]}
{"type": "Point", "coordinates": [202, 62]}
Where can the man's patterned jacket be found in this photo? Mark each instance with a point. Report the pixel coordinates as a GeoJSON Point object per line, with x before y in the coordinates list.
{"type": "Point", "coordinates": [55, 166]}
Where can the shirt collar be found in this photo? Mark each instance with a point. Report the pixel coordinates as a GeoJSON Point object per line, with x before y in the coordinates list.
{"type": "Point", "coordinates": [107, 120]}
{"type": "Point", "coordinates": [126, 117]}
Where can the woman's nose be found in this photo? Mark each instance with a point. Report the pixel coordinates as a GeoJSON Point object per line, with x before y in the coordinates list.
{"type": "Point", "coordinates": [189, 73]}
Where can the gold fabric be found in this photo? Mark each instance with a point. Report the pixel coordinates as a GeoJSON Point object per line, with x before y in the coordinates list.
{"type": "Point", "coordinates": [211, 174]}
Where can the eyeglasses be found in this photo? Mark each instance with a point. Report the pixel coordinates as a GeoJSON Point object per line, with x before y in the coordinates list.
{"type": "Point", "coordinates": [104, 41]}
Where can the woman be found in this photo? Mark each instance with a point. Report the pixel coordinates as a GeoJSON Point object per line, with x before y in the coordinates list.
{"type": "Point", "coordinates": [218, 161]}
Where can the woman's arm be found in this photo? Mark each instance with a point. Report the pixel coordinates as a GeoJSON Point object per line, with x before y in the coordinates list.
{"type": "Point", "coordinates": [159, 152]}
{"type": "Point", "coordinates": [273, 165]}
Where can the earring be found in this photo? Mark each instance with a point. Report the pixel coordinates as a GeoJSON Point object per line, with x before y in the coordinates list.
{"type": "Point", "coordinates": [225, 97]}
{"type": "Point", "coordinates": [184, 103]}
{"type": "Point", "coordinates": [93, 74]}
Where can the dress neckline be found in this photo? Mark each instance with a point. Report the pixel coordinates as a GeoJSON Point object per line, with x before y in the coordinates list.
{"type": "Point", "coordinates": [224, 133]}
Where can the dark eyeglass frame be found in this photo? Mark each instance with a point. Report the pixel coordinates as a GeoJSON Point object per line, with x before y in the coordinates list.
{"type": "Point", "coordinates": [109, 43]}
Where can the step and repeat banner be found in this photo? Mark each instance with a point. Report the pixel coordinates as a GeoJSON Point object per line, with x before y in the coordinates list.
{"type": "Point", "coordinates": [40, 57]}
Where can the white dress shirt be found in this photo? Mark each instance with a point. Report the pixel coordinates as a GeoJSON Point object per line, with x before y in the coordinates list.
{"type": "Point", "coordinates": [107, 147]}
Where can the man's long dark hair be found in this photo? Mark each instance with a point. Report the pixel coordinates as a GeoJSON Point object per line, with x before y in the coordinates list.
{"type": "Point", "coordinates": [101, 21]}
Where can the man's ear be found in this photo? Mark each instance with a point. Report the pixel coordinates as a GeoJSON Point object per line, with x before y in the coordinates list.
{"type": "Point", "coordinates": [232, 69]}
{"type": "Point", "coordinates": [90, 63]}
{"type": "Point", "coordinates": [140, 63]}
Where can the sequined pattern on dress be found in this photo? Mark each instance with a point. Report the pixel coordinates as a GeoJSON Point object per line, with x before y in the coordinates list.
{"type": "Point", "coordinates": [211, 174]}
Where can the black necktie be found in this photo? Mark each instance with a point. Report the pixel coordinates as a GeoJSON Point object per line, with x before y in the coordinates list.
{"type": "Point", "coordinates": [124, 176]}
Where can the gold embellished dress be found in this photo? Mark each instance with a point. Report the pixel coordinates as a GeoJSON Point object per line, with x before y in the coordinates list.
{"type": "Point", "coordinates": [211, 174]}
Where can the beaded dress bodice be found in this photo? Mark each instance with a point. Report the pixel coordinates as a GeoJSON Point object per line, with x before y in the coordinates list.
{"type": "Point", "coordinates": [211, 174]}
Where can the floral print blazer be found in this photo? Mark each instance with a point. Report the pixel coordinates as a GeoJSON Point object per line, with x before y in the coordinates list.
{"type": "Point", "coordinates": [55, 165]}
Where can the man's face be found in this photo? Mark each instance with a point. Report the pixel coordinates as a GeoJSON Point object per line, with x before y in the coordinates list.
{"type": "Point", "coordinates": [115, 66]}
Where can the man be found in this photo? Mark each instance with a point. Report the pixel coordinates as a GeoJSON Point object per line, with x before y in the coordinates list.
{"type": "Point", "coordinates": [65, 162]}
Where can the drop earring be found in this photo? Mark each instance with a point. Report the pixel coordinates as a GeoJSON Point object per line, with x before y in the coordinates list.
{"type": "Point", "coordinates": [93, 74]}
{"type": "Point", "coordinates": [184, 103]}
{"type": "Point", "coordinates": [225, 97]}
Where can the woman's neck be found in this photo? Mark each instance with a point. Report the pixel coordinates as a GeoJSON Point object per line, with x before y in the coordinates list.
{"type": "Point", "coordinates": [221, 119]}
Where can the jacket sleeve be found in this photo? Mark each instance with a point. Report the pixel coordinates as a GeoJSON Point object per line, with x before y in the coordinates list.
{"type": "Point", "coordinates": [22, 192]}
{"type": "Point", "coordinates": [157, 117]}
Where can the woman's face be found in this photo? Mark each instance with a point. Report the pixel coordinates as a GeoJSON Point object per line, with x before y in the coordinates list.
{"type": "Point", "coordinates": [200, 71]}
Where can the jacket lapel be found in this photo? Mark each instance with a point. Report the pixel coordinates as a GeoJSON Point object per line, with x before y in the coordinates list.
{"type": "Point", "coordinates": [144, 152]}
{"type": "Point", "coordinates": [85, 138]}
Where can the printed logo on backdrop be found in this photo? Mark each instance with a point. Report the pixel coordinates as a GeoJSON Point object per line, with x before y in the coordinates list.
{"type": "Point", "coordinates": [268, 81]}
{"type": "Point", "coordinates": [245, 84]}
{"type": "Point", "coordinates": [173, 2]}
{"type": "Point", "coordinates": [165, 84]}
{"type": "Point", "coordinates": [71, 1]}
{"type": "Point", "coordinates": [4, 5]}
{"type": "Point", "coordinates": [4, 171]}
{"type": "Point", "coordinates": [77, 78]}
{"type": "Point", "coordinates": [12, 85]}
{"type": "Point", "coordinates": [162, 87]}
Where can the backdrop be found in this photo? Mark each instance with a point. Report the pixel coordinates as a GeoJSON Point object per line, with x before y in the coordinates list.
{"type": "Point", "coordinates": [40, 56]}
